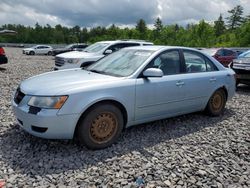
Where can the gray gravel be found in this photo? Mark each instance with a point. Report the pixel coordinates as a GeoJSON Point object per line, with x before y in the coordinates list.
{"type": "Point", "coordinates": [188, 151]}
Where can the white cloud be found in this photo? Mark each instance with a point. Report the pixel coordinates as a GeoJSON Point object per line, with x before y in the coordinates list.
{"type": "Point", "coordinates": [87, 13]}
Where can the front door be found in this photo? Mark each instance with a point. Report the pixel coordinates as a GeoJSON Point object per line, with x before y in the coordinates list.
{"type": "Point", "coordinates": [162, 96]}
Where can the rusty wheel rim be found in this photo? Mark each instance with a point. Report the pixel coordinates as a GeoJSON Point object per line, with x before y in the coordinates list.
{"type": "Point", "coordinates": [103, 127]}
{"type": "Point", "coordinates": [217, 102]}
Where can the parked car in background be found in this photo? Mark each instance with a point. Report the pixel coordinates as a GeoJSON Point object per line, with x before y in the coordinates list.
{"type": "Point", "coordinates": [68, 48]}
{"type": "Point", "coordinates": [3, 58]}
{"type": "Point", "coordinates": [39, 50]}
{"type": "Point", "coordinates": [241, 66]}
{"type": "Point", "coordinates": [93, 53]}
{"type": "Point", "coordinates": [131, 86]}
{"type": "Point", "coordinates": [223, 55]}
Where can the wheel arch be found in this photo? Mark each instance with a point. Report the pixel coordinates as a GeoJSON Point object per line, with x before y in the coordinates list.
{"type": "Point", "coordinates": [224, 89]}
{"type": "Point", "coordinates": [116, 103]}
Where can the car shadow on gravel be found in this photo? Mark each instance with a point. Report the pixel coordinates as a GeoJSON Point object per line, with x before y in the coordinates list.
{"type": "Point", "coordinates": [34, 156]}
{"type": "Point", "coordinates": [2, 69]}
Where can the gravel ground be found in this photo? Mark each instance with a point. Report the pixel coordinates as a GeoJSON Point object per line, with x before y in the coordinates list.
{"type": "Point", "coordinates": [188, 151]}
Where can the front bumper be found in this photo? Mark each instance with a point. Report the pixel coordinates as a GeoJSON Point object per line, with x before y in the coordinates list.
{"type": "Point", "coordinates": [242, 74]}
{"type": "Point", "coordinates": [46, 123]}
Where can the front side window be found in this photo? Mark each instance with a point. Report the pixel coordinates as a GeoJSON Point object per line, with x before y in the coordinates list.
{"type": "Point", "coordinates": [168, 62]}
{"type": "Point", "coordinates": [121, 63]}
{"type": "Point", "coordinates": [196, 62]}
{"type": "Point", "coordinates": [228, 52]}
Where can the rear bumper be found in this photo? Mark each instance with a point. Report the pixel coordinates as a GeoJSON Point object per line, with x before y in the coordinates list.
{"type": "Point", "coordinates": [3, 59]}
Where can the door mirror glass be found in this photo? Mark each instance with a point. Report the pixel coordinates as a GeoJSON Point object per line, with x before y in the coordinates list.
{"type": "Point", "coordinates": [153, 72]}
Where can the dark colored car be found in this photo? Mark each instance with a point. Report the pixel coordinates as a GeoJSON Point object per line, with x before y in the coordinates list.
{"type": "Point", "coordinates": [3, 58]}
{"type": "Point", "coordinates": [223, 55]}
{"type": "Point", "coordinates": [70, 47]}
{"type": "Point", "coordinates": [241, 67]}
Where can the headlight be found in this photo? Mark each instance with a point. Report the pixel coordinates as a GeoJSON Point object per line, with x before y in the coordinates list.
{"type": "Point", "coordinates": [73, 61]}
{"type": "Point", "coordinates": [47, 102]}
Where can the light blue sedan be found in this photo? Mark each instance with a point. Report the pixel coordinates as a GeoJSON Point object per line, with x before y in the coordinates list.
{"type": "Point", "coordinates": [132, 86]}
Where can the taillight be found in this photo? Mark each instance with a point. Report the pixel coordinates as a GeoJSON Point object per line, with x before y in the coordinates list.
{"type": "Point", "coordinates": [2, 51]}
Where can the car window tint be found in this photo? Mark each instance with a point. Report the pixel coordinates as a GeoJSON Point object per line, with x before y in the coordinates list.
{"type": "Point", "coordinates": [168, 62]}
{"type": "Point", "coordinates": [194, 62]}
{"type": "Point", "coordinates": [228, 52]}
{"type": "Point", "coordinates": [210, 65]}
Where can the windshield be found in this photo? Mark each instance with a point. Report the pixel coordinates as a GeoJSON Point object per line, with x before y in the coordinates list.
{"type": "Point", "coordinates": [210, 52]}
{"type": "Point", "coordinates": [34, 46]}
{"type": "Point", "coordinates": [245, 55]}
{"type": "Point", "coordinates": [95, 47]}
{"type": "Point", "coordinates": [121, 63]}
{"type": "Point", "coordinates": [69, 46]}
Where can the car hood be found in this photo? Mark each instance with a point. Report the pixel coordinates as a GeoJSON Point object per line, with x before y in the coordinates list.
{"type": "Point", "coordinates": [76, 55]}
{"type": "Point", "coordinates": [28, 49]}
{"type": "Point", "coordinates": [242, 60]}
{"type": "Point", "coordinates": [64, 82]}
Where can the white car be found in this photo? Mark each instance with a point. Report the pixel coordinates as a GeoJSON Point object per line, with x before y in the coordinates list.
{"type": "Point", "coordinates": [38, 49]}
{"type": "Point", "coordinates": [93, 53]}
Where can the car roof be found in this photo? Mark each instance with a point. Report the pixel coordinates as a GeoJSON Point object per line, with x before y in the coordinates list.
{"type": "Point", "coordinates": [160, 47]}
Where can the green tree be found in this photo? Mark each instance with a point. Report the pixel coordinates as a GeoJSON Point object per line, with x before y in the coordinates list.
{"type": "Point", "coordinates": [158, 25]}
{"type": "Point", "coordinates": [141, 28]}
{"type": "Point", "coordinates": [219, 26]}
{"type": "Point", "coordinates": [235, 19]}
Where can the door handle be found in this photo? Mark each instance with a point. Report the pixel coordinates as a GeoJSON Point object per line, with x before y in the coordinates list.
{"type": "Point", "coordinates": [212, 79]}
{"type": "Point", "coordinates": [180, 83]}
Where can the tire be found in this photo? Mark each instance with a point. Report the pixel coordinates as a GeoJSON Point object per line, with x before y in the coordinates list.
{"type": "Point", "coordinates": [49, 53]}
{"type": "Point", "coordinates": [101, 127]}
{"type": "Point", "coordinates": [216, 103]}
{"type": "Point", "coordinates": [32, 53]}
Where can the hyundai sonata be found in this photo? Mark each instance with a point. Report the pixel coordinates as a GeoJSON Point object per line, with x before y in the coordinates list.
{"type": "Point", "coordinates": [132, 86]}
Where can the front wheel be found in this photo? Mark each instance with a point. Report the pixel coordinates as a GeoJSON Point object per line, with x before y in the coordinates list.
{"type": "Point", "coordinates": [101, 127]}
{"type": "Point", "coordinates": [49, 53]}
{"type": "Point", "coordinates": [216, 103]}
{"type": "Point", "coordinates": [32, 53]}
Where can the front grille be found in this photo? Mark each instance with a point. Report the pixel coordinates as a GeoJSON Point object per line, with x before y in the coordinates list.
{"type": "Point", "coordinates": [59, 61]}
{"type": "Point", "coordinates": [18, 96]}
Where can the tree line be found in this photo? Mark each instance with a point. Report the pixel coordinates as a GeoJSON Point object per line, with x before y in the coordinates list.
{"type": "Point", "coordinates": [233, 31]}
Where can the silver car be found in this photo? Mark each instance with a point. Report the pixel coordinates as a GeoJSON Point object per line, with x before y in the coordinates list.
{"type": "Point", "coordinates": [132, 86]}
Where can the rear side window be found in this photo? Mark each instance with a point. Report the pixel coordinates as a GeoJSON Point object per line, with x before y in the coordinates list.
{"type": "Point", "coordinates": [196, 62]}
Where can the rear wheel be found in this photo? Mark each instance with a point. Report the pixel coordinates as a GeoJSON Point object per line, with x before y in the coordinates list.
{"type": "Point", "coordinates": [216, 103]}
{"type": "Point", "coordinates": [49, 53]}
{"type": "Point", "coordinates": [101, 126]}
{"type": "Point", "coordinates": [32, 53]}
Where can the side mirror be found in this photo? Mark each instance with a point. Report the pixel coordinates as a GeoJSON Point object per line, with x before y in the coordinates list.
{"type": "Point", "coordinates": [153, 72]}
{"type": "Point", "coordinates": [108, 52]}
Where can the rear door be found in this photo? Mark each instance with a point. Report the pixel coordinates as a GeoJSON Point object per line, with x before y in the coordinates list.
{"type": "Point", "coordinates": [200, 80]}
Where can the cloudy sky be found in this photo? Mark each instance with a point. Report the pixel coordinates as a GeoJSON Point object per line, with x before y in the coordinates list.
{"type": "Point", "coordinates": [89, 13]}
